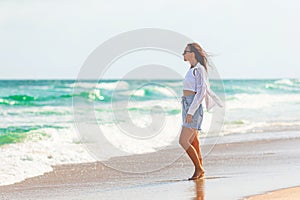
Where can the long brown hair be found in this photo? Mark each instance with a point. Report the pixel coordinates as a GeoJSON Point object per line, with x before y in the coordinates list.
{"type": "Point", "coordinates": [200, 54]}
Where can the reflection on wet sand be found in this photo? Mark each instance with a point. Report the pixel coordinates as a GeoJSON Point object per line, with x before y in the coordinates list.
{"type": "Point", "coordinates": [199, 188]}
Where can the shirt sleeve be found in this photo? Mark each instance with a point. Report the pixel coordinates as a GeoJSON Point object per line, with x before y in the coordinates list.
{"type": "Point", "coordinates": [200, 89]}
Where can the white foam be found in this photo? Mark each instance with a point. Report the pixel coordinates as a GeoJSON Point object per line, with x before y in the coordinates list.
{"type": "Point", "coordinates": [10, 102]}
{"type": "Point", "coordinates": [254, 127]}
{"type": "Point", "coordinates": [284, 82]}
{"type": "Point", "coordinates": [82, 85]}
{"type": "Point", "coordinates": [118, 85]}
{"type": "Point", "coordinates": [39, 152]}
{"type": "Point", "coordinates": [155, 89]}
{"type": "Point", "coordinates": [43, 87]}
{"type": "Point", "coordinates": [285, 85]}
{"type": "Point", "coordinates": [164, 91]}
{"type": "Point", "coordinates": [159, 139]}
{"type": "Point", "coordinates": [256, 101]}
{"type": "Point", "coordinates": [174, 84]}
{"type": "Point", "coordinates": [31, 116]}
{"type": "Point", "coordinates": [137, 93]}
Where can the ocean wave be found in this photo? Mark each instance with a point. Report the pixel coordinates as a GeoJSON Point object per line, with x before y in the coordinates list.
{"type": "Point", "coordinates": [120, 85]}
{"type": "Point", "coordinates": [10, 138]}
{"type": "Point", "coordinates": [148, 93]}
{"type": "Point", "coordinates": [290, 82]}
{"type": "Point", "coordinates": [256, 101]}
{"type": "Point", "coordinates": [284, 85]}
{"type": "Point", "coordinates": [16, 134]}
{"type": "Point", "coordinates": [34, 111]}
{"type": "Point", "coordinates": [235, 89]}
{"type": "Point", "coordinates": [87, 85]}
{"type": "Point", "coordinates": [280, 86]}
{"type": "Point", "coordinates": [115, 85]}
{"type": "Point", "coordinates": [18, 100]}
{"type": "Point", "coordinates": [174, 84]}
{"type": "Point", "coordinates": [38, 152]}
{"type": "Point", "coordinates": [259, 127]}
{"type": "Point", "coordinates": [153, 92]}
{"type": "Point", "coordinates": [27, 100]}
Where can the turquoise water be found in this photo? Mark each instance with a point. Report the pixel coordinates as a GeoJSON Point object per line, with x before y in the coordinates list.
{"type": "Point", "coordinates": [31, 99]}
{"type": "Point", "coordinates": [37, 127]}
{"type": "Point", "coordinates": [59, 92]}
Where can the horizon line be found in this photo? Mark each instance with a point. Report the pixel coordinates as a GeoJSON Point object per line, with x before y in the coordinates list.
{"type": "Point", "coordinates": [108, 79]}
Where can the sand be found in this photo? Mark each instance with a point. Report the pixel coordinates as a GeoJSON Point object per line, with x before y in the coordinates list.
{"type": "Point", "coordinates": [234, 170]}
{"type": "Point", "coordinates": [287, 194]}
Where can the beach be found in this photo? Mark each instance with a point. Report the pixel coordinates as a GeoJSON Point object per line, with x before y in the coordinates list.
{"type": "Point", "coordinates": [93, 100]}
{"type": "Point", "coordinates": [254, 152]}
{"type": "Point", "coordinates": [287, 194]}
{"type": "Point", "coordinates": [236, 168]}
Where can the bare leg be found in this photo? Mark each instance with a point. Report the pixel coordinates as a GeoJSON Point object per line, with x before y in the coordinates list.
{"type": "Point", "coordinates": [196, 144]}
{"type": "Point", "coordinates": [184, 141]}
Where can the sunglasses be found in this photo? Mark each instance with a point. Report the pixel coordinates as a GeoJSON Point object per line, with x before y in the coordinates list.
{"type": "Point", "coordinates": [185, 51]}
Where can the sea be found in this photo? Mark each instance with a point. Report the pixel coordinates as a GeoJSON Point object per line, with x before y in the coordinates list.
{"type": "Point", "coordinates": [38, 129]}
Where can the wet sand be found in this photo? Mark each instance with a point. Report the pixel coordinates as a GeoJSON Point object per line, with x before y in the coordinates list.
{"type": "Point", "coordinates": [234, 170]}
{"type": "Point", "coordinates": [286, 194]}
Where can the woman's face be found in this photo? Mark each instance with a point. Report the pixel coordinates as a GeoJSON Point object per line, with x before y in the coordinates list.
{"type": "Point", "coordinates": [187, 54]}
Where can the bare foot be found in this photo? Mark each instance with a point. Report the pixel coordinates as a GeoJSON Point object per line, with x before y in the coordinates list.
{"type": "Point", "coordinates": [197, 174]}
{"type": "Point", "coordinates": [202, 174]}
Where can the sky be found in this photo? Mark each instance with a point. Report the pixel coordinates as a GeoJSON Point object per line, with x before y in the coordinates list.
{"type": "Point", "coordinates": [51, 39]}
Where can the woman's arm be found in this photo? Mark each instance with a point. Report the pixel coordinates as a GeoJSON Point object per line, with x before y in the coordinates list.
{"type": "Point", "coordinates": [200, 89]}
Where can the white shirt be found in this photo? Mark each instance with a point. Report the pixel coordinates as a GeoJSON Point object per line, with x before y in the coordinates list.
{"type": "Point", "coordinates": [196, 80]}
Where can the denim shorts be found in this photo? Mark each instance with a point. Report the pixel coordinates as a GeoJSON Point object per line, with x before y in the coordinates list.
{"type": "Point", "coordinates": [198, 115]}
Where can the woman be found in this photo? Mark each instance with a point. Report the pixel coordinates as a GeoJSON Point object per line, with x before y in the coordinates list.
{"type": "Point", "coordinates": [195, 89]}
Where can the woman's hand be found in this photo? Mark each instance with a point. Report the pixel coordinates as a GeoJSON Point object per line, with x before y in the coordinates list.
{"type": "Point", "coordinates": [188, 118]}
